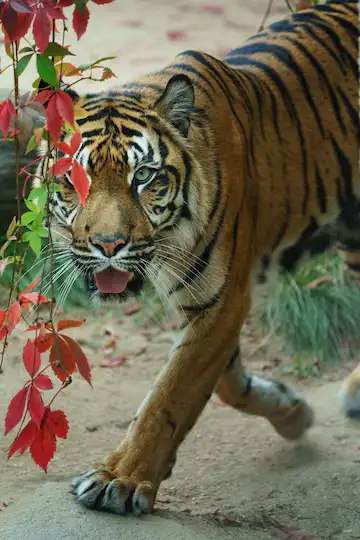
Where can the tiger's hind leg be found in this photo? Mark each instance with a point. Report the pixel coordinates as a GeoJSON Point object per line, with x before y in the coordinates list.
{"type": "Point", "coordinates": [284, 408]}
{"type": "Point", "coordinates": [350, 394]}
{"type": "Point", "coordinates": [350, 391]}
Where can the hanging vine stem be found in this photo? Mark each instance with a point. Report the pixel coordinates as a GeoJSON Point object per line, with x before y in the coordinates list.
{"type": "Point", "coordinates": [16, 273]}
{"type": "Point", "coordinates": [267, 13]}
{"type": "Point", "coordinates": [289, 6]}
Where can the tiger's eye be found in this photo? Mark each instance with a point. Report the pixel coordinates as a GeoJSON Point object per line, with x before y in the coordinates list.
{"type": "Point", "coordinates": [143, 174]}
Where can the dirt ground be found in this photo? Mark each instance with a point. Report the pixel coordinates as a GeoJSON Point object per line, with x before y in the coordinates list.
{"type": "Point", "coordinates": [233, 470]}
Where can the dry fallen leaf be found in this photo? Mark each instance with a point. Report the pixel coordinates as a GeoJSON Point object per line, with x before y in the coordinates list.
{"type": "Point", "coordinates": [131, 310]}
{"type": "Point", "coordinates": [176, 35]}
{"type": "Point", "coordinates": [114, 362]}
{"type": "Point", "coordinates": [285, 532]}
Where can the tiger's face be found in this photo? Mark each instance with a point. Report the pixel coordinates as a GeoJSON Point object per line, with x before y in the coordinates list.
{"type": "Point", "coordinates": [142, 193]}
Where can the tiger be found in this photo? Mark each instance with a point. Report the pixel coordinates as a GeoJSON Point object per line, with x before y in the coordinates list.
{"type": "Point", "coordinates": [204, 177]}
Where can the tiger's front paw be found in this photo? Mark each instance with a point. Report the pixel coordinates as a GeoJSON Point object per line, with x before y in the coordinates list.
{"type": "Point", "coordinates": [100, 489]}
{"type": "Point", "coordinates": [128, 480]}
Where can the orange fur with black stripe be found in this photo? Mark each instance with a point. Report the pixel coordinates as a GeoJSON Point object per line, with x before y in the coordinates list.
{"type": "Point", "coordinates": [204, 176]}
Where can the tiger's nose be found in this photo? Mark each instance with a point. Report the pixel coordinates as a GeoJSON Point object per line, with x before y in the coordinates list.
{"type": "Point", "coordinates": [108, 245]}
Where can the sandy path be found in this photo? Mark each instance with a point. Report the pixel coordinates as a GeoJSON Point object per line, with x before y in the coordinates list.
{"type": "Point", "coordinates": [231, 465]}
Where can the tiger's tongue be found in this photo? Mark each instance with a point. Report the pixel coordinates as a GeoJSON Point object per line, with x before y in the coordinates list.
{"type": "Point", "coordinates": [112, 281]}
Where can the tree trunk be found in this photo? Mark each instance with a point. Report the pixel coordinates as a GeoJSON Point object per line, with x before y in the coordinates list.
{"type": "Point", "coordinates": [8, 191]}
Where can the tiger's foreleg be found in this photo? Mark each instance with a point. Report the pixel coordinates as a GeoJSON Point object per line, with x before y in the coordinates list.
{"type": "Point", "coordinates": [130, 477]}
{"type": "Point", "coordinates": [288, 413]}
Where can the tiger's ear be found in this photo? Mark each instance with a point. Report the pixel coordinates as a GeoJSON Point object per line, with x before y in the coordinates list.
{"type": "Point", "coordinates": [177, 103]}
{"type": "Point", "coordinates": [70, 92]}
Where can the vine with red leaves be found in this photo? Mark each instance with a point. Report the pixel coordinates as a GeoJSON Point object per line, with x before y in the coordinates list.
{"type": "Point", "coordinates": [38, 424]}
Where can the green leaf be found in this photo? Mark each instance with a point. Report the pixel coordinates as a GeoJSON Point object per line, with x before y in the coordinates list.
{"type": "Point", "coordinates": [36, 83]}
{"type": "Point", "coordinates": [41, 202]}
{"type": "Point", "coordinates": [83, 67]}
{"type": "Point", "coordinates": [46, 136]}
{"type": "Point", "coordinates": [44, 233]}
{"type": "Point", "coordinates": [34, 240]}
{"type": "Point", "coordinates": [46, 70]}
{"type": "Point", "coordinates": [22, 64]}
{"type": "Point", "coordinates": [37, 224]}
{"type": "Point", "coordinates": [26, 236]}
{"type": "Point", "coordinates": [55, 188]}
{"type": "Point", "coordinates": [35, 243]}
{"type": "Point", "coordinates": [26, 49]}
{"type": "Point", "coordinates": [36, 192]}
{"type": "Point", "coordinates": [30, 205]}
{"type": "Point", "coordinates": [27, 217]}
{"type": "Point", "coordinates": [31, 145]}
{"type": "Point", "coordinates": [54, 49]}
{"type": "Point", "coordinates": [81, 4]}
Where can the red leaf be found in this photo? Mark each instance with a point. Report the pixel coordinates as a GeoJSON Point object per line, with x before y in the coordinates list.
{"type": "Point", "coordinates": [41, 28]}
{"type": "Point", "coordinates": [65, 106]}
{"type": "Point", "coordinates": [44, 96]}
{"type": "Point", "coordinates": [43, 447]}
{"type": "Point", "coordinates": [2, 318]}
{"type": "Point", "coordinates": [33, 298]}
{"type": "Point", "coordinates": [65, 3]}
{"type": "Point", "coordinates": [80, 21]}
{"type": "Point", "coordinates": [54, 12]}
{"type": "Point", "coordinates": [15, 24]}
{"type": "Point", "coordinates": [20, 6]}
{"type": "Point", "coordinates": [68, 323]}
{"type": "Point", "coordinates": [24, 439]}
{"type": "Point", "coordinates": [61, 166]}
{"type": "Point", "coordinates": [14, 316]}
{"type": "Point", "coordinates": [56, 420]}
{"type": "Point", "coordinates": [80, 359]}
{"type": "Point", "coordinates": [80, 181]}
{"type": "Point", "coordinates": [3, 333]}
{"type": "Point", "coordinates": [43, 382]}
{"type": "Point", "coordinates": [6, 115]}
{"type": "Point", "coordinates": [54, 122]}
{"type": "Point", "coordinates": [75, 142]}
{"type": "Point", "coordinates": [61, 359]}
{"type": "Point", "coordinates": [16, 409]}
{"type": "Point", "coordinates": [31, 358]}
{"type": "Point", "coordinates": [102, 1]}
{"type": "Point", "coordinates": [64, 147]}
{"type": "Point", "coordinates": [31, 286]}
{"type": "Point", "coordinates": [44, 343]}
{"type": "Point", "coordinates": [36, 406]}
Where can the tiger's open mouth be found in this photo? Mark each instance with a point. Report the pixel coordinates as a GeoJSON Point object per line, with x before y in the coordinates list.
{"type": "Point", "coordinates": [117, 284]}
{"type": "Point", "coordinates": [112, 281]}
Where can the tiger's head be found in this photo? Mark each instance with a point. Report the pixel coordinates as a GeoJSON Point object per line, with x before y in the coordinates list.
{"type": "Point", "coordinates": [145, 188]}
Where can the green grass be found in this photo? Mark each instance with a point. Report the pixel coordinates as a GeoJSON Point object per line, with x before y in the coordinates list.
{"type": "Point", "coordinates": [316, 323]}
